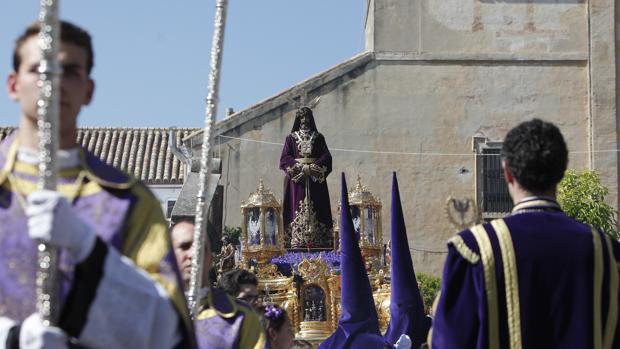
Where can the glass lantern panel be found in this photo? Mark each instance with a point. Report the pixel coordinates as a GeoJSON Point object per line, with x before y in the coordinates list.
{"type": "Point", "coordinates": [314, 303]}
{"type": "Point", "coordinates": [271, 226]}
{"type": "Point", "coordinates": [355, 215]}
{"type": "Point", "coordinates": [370, 224]}
{"type": "Point", "coordinates": [253, 226]}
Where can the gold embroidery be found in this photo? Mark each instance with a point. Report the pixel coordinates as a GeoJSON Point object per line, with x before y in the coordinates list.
{"type": "Point", "coordinates": [464, 250]}
{"type": "Point", "coordinates": [598, 288]}
{"type": "Point", "coordinates": [511, 279]}
{"type": "Point", "coordinates": [488, 266]}
{"type": "Point", "coordinates": [612, 313]}
{"type": "Point", "coordinates": [9, 161]}
{"type": "Point", "coordinates": [534, 203]}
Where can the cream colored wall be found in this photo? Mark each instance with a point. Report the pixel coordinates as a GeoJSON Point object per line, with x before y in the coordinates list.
{"type": "Point", "coordinates": [444, 71]}
{"type": "Point", "coordinates": [416, 108]}
{"type": "Point", "coordinates": [515, 27]}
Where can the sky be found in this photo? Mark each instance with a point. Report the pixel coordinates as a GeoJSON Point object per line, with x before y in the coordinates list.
{"type": "Point", "coordinates": [152, 57]}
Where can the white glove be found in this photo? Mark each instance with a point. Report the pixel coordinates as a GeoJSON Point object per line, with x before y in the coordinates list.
{"type": "Point", "coordinates": [5, 326]}
{"type": "Point", "coordinates": [404, 342]}
{"type": "Point", "coordinates": [34, 335]}
{"type": "Point", "coordinates": [52, 219]}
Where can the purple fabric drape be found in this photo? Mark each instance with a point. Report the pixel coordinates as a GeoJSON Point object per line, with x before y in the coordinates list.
{"type": "Point", "coordinates": [294, 193]}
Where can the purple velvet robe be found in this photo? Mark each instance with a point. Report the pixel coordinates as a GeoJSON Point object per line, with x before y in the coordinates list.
{"type": "Point", "coordinates": [228, 324]}
{"type": "Point", "coordinates": [294, 193]}
{"type": "Point", "coordinates": [108, 207]}
{"type": "Point", "coordinates": [555, 262]}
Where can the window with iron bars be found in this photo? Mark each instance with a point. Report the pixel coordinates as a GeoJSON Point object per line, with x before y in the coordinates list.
{"type": "Point", "coordinates": [492, 192]}
{"type": "Point", "coordinates": [169, 207]}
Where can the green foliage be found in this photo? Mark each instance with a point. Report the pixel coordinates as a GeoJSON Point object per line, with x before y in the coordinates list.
{"type": "Point", "coordinates": [429, 288]}
{"type": "Point", "coordinates": [234, 233]}
{"type": "Point", "coordinates": [582, 196]}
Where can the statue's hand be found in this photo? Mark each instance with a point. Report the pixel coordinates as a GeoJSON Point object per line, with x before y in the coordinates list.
{"type": "Point", "coordinates": [299, 177]}
{"type": "Point", "coordinates": [317, 172]}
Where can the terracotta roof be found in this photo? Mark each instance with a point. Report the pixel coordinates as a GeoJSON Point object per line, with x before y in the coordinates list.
{"type": "Point", "coordinates": [142, 152]}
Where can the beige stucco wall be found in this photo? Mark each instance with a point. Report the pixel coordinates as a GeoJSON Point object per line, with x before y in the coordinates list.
{"type": "Point", "coordinates": [415, 108]}
{"type": "Point", "coordinates": [516, 27]}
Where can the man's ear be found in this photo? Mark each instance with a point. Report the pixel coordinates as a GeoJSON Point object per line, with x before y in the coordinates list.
{"type": "Point", "coordinates": [272, 333]}
{"type": "Point", "coordinates": [507, 173]}
{"type": "Point", "coordinates": [11, 86]}
{"type": "Point", "coordinates": [90, 91]}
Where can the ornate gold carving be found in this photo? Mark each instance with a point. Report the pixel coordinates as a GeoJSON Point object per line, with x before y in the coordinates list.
{"type": "Point", "coordinates": [369, 208]}
{"type": "Point", "coordinates": [316, 315]}
{"type": "Point", "coordinates": [262, 245]}
{"type": "Point", "coordinates": [262, 197]}
{"type": "Point", "coordinates": [312, 270]}
{"type": "Point", "coordinates": [382, 301]}
{"type": "Point", "coordinates": [362, 196]}
{"type": "Point", "coordinates": [306, 230]}
{"type": "Point", "coordinates": [335, 309]}
{"type": "Point", "coordinates": [269, 271]}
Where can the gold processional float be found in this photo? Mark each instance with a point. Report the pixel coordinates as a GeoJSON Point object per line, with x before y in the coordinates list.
{"type": "Point", "coordinates": [305, 283]}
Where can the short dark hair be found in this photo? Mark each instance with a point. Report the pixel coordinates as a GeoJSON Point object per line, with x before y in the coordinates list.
{"type": "Point", "coordinates": [69, 33]}
{"type": "Point", "coordinates": [190, 220]}
{"type": "Point", "coordinates": [231, 281]}
{"type": "Point", "coordinates": [536, 155]}
{"type": "Point", "coordinates": [187, 219]}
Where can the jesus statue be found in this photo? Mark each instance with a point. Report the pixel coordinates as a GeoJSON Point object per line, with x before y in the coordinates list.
{"type": "Point", "coordinates": [306, 162]}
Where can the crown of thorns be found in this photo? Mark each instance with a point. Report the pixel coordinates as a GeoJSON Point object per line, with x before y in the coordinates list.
{"type": "Point", "coordinates": [273, 312]}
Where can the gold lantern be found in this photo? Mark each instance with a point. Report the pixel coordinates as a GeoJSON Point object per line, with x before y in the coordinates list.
{"type": "Point", "coordinates": [366, 215]}
{"type": "Point", "coordinates": [261, 231]}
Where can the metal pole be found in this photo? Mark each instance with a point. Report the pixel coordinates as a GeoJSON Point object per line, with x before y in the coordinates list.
{"type": "Point", "coordinates": [200, 235]}
{"type": "Point", "coordinates": [48, 109]}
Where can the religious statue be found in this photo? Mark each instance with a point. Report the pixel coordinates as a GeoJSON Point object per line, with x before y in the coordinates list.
{"type": "Point", "coordinates": [306, 162]}
{"type": "Point", "coordinates": [226, 256]}
{"type": "Point", "coordinates": [254, 226]}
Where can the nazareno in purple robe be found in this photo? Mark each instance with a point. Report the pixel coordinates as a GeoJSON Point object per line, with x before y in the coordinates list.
{"type": "Point", "coordinates": [294, 193]}
{"type": "Point", "coordinates": [565, 278]}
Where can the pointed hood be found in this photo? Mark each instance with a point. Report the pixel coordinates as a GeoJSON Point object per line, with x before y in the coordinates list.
{"type": "Point", "coordinates": [358, 319]}
{"type": "Point", "coordinates": [406, 305]}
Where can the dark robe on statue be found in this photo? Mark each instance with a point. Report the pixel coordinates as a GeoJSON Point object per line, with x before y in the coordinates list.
{"type": "Point", "coordinates": [295, 192]}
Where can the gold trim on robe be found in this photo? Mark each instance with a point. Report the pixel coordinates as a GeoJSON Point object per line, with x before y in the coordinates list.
{"type": "Point", "coordinates": [464, 250]}
{"type": "Point", "coordinates": [511, 279]}
{"type": "Point", "coordinates": [488, 266]}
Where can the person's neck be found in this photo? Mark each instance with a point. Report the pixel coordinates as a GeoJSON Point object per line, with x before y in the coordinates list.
{"type": "Point", "coordinates": [28, 135]}
{"type": "Point", "coordinates": [520, 194]}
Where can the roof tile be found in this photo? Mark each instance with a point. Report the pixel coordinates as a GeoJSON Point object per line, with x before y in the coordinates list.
{"type": "Point", "coordinates": [142, 152]}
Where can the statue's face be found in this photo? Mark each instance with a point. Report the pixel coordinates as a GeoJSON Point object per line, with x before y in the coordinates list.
{"type": "Point", "coordinates": [304, 122]}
